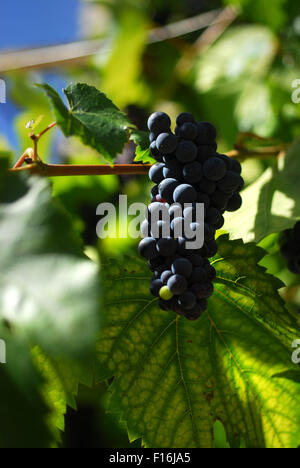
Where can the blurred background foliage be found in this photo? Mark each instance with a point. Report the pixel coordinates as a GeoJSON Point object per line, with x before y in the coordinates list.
{"type": "Point", "coordinates": [236, 72]}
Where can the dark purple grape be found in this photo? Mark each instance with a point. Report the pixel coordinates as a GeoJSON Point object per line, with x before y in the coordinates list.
{"type": "Point", "coordinates": [214, 169]}
{"type": "Point", "coordinates": [234, 203]}
{"type": "Point", "coordinates": [182, 267]}
{"type": "Point", "coordinates": [167, 188]}
{"type": "Point", "coordinates": [159, 122]}
{"type": "Point", "coordinates": [188, 131]}
{"type": "Point", "coordinates": [177, 284]}
{"type": "Point", "coordinates": [186, 152]}
{"type": "Point", "coordinates": [147, 248]}
{"type": "Point", "coordinates": [192, 172]}
{"type": "Point", "coordinates": [185, 193]}
{"type": "Point", "coordinates": [184, 118]}
{"type": "Point", "coordinates": [156, 173]}
{"type": "Point", "coordinates": [207, 133]}
{"type": "Point", "coordinates": [166, 143]}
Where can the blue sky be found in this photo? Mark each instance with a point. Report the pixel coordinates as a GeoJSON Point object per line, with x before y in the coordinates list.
{"type": "Point", "coordinates": [29, 23]}
{"type": "Point", "coordinates": [33, 23]}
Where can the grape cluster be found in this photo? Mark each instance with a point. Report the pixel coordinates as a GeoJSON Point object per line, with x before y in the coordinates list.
{"type": "Point", "coordinates": [290, 248]}
{"type": "Point", "coordinates": [189, 170]}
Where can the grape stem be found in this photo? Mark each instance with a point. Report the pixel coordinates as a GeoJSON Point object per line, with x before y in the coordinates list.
{"type": "Point", "coordinates": [62, 170]}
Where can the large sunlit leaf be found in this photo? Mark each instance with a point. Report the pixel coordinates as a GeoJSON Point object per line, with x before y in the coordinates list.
{"type": "Point", "coordinates": [92, 117]}
{"type": "Point", "coordinates": [49, 290]}
{"type": "Point", "coordinates": [174, 378]}
{"type": "Point", "coordinates": [271, 204]}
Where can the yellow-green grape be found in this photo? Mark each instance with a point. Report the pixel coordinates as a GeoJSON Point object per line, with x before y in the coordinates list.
{"type": "Point", "coordinates": [165, 293]}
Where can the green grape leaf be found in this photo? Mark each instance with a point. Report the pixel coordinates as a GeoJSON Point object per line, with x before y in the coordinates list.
{"type": "Point", "coordinates": [49, 291]}
{"type": "Point", "coordinates": [271, 204]}
{"type": "Point", "coordinates": [175, 378]}
{"type": "Point", "coordinates": [141, 139]}
{"type": "Point", "coordinates": [92, 117]}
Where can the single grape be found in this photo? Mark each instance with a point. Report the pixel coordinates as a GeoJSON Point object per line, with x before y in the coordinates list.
{"type": "Point", "coordinates": [234, 203]}
{"type": "Point", "coordinates": [188, 131]}
{"type": "Point", "coordinates": [165, 293]}
{"type": "Point", "coordinates": [159, 122]}
{"type": "Point", "coordinates": [214, 169]}
{"type": "Point", "coordinates": [156, 173]}
{"type": "Point", "coordinates": [183, 118]}
{"type": "Point", "coordinates": [192, 172]}
{"type": "Point", "coordinates": [147, 248]}
{"type": "Point", "coordinates": [166, 143]}
{"type": "Point", "coordinates": [185, 193]}
{"type": "Point", "coordinates": [186, 152]}
{"type": "Point", "coordinates": [182, 267]}
{"type": "Point", "coordinates": [207, 133]}
{"type": "Point", "coordinates": [177, 284]}
{"type": "Point", "coordinates": [167, 188]}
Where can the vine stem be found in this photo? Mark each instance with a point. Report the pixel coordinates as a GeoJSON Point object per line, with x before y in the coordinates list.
{"type": "Point", "coordinates": [62, 170]}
